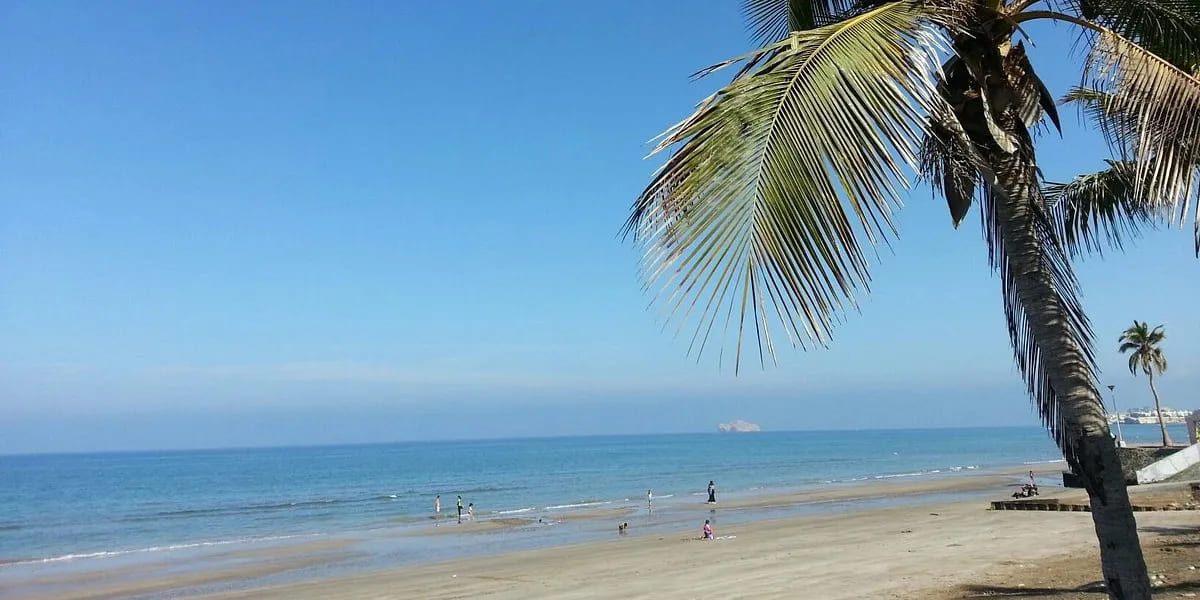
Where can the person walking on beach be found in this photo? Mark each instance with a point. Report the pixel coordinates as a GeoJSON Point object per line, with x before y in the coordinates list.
{"type": "Point", "coordinates": [712, 492]}
{"type": "Point", "coordinates": [649, 501]}
{"type": "Point", "coordinates": [471, 511]}
{"type": "Point", "coordinates": [437, 509]}
{"type": "Point", "coordinates": [460, 509]}
{"type": "Point", "coordinates": [708, 534]}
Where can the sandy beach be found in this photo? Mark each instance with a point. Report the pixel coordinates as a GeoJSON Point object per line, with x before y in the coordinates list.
{"type": "Point", "coordinates": [928, 547]}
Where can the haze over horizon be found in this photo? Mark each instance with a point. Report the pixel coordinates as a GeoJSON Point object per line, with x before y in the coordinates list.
{"type": "Point", "coordinates": [379, 222]}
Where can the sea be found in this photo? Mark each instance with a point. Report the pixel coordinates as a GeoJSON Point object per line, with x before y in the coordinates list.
{"type": "Point", "coordinates": [95, 511]}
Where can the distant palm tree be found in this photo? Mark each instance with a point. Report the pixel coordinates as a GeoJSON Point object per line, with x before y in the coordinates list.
{"type": "Point", "coordinates": [1147, 355]}
{"type": "Point", "coordinates": [760, 222]}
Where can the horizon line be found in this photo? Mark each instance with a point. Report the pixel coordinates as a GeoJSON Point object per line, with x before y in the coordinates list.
{"type": "Point", "coordinates": [499, 439]}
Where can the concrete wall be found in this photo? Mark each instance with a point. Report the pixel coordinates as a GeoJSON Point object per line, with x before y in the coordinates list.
{"type": "Point", "coordinates": [1192, 420]}
{"type": "Point", "coordinates": [1170, 465]}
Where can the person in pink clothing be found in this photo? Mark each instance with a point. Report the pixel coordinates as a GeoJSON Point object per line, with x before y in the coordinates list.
{"type": "Point", "coordinates": [707, 530]}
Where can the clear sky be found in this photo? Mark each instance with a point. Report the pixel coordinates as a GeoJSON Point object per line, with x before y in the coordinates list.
{"type": "Point", "coordinates": [228, 223]}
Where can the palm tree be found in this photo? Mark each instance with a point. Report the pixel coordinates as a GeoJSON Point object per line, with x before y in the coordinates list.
{"type": "Point", "coordinates": [758, 221]}
{"type": "Point", "coordinates": [1147, 355]}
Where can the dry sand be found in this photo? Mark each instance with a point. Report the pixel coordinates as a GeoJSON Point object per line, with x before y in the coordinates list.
{"type": "Point", "coordinates": [944, 550]}
{"type": "Point", "coordinates": [891, 553]}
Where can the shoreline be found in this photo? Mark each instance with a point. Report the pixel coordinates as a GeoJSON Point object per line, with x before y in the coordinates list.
{"type": "Point", "coordinates": [346, 560]}
{"type": "Point", "coordinates": [410, 524]}
{"type": "Point", "coordinates": [931, 549]}
{"type": "Point", "coordinates": [921, 551]}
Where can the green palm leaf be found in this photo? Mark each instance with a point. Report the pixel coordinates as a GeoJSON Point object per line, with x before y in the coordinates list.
{"type": "Point", "coordinates": [1098, 209]}
{"type": "Point", "coordinates": [1152, 112]}
{"type": "Point", "coordinates": [780, 178]}
{"type": "Point", "coordinates": [1143, 343]}
{"type": "Point", "coordinates": [1168, 28]}
{"type": "Point", "coordinates": [772, 20]}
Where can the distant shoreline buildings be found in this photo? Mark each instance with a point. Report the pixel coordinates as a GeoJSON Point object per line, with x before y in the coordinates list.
{"type": "Point", "coordinates": [1147, 416]}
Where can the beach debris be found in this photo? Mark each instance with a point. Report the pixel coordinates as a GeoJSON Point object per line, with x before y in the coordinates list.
{"type": "Point", "coordinates": [905, 531]}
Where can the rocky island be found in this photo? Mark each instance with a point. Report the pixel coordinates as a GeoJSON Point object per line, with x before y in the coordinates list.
{"type": "Point", "coordinates": [738, 426]}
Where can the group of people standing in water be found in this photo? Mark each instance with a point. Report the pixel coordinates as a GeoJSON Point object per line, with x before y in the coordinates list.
{"type": "Point", "coordinates": [437, 509]}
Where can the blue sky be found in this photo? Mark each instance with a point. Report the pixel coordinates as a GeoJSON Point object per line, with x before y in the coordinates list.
{"type": "Point", "coordinates": [230, 224]}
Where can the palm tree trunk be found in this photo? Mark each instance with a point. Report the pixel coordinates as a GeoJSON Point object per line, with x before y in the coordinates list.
{"type": "Point", "coordinates": [1158, 410]}
{"type": "Point", "coordinates": [1083, 427]}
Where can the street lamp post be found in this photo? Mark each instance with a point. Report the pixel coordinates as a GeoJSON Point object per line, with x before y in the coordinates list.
{"type": "Point", "coordinates": [1116, 411]}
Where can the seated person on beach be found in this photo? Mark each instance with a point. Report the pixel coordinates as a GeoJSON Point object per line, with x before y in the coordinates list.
{"type": "Point", "coordinates": [1026, 491]}
{"type": "Point", "coordinates": [708, 534]}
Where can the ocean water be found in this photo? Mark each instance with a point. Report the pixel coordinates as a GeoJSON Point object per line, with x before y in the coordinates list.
{"type": "Point", "coordinates": [89, 508]}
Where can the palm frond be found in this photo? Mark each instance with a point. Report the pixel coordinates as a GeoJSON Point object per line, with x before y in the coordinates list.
{"type": "Point", "coordinates": [1097, 106]}
{"type": "Point", "coordinates": [760, 217]}
{"type": "Point", "coordinates": [950, 163]}
{"type": "Point", "coordinates": [770, 21]}
{"type": "Point", "coordinates": [1135, 360]}
{"type": "Point", "coordinates": [1144, 342]}
{"type": "Point", "coordinates": [1152, 111]}
{"type": "Point", "coordinates": [1168, 28]}
{"type": "Point", "coordinates": [1098, 209]}
{"type": "Point", "coordinates": [1157, 335]}
{"type": "Point", "coordinates": [1034, 98]}
{"type": "Point", "coordinates": [1158, 360]}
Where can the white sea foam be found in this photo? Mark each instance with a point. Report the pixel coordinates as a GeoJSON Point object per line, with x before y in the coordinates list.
{"type": "Point", "coordinates": [893, 475]}
{"type": "Point", "coordinates": [515, 511]}
{"type": "Point", "coordinates": [580, 505]}
{"type": "Point", "coordinates": [1043, 462]}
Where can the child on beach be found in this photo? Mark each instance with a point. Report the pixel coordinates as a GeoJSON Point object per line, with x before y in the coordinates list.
{"type": "Point", "coordinates": [437, 509]}
{"type": "Point", "coordinates": [471, 511]}
{"type": "Point", "coordinates": [708, 534]}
